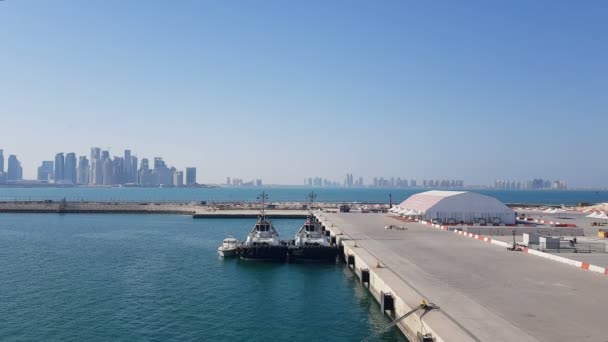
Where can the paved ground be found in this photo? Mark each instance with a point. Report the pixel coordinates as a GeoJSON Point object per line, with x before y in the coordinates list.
{"type": "Point", "coordinates": [577, 218]}
{"type": "Point", "coordinates": [494, 294]}
{"type": "Point", "coordinates": [595, 258]}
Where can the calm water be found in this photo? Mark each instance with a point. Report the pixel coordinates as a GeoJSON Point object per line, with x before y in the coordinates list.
{"type": "Point", "coordinates": [283, 194]}
{"type": "Point", "coordinates": [158, 278]}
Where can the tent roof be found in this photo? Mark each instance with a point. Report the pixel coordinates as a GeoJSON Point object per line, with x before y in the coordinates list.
{"type": "Point", "coordinates": [452, 201]}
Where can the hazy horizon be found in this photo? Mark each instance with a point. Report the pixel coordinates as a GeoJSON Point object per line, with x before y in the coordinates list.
{"type": "Point", "coordinates": [284, 90]}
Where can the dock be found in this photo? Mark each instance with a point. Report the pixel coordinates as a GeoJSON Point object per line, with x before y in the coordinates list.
{"type": "Point", "coordinates": [272, 214]}
{"type": "Point", "coordinates": [193, 209]}
{"type": "Point", "coordinates": [483, 291]}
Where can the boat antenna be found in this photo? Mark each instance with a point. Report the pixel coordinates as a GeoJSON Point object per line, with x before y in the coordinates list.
{"type": "Point", "coordinates": [263, 196]}
{"type": "Point", "coordinates": [311, 197]}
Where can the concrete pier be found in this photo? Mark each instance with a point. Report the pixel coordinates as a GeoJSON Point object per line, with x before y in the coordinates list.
{"type": "Point", "coordinates": [484, 292]}
{"type": "Point", "coordinates": [196, 210]}
{"type": "Point", "coordinates": [272, 214]}
{"type": "Point", "coordinates": [96, 208]}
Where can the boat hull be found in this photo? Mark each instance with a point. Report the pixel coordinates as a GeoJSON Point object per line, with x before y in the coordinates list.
{"type": "Point", "coordinates": [227, 253]}
{"type": "Point", "coordinates": [313, 253]}
{"type": "Point", "coordinates": [263, 252]}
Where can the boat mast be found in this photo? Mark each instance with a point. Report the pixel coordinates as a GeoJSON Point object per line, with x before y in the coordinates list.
{"type": "Point", "coordinates": [311, 197]}
{"type": "Point", "coordinates": [263, 196]}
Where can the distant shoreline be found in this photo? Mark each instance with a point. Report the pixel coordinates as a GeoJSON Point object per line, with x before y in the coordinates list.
{"type": "Point", "coordinates": [222, 186]}
{"type": "Point", "coordinates": [66, 186]}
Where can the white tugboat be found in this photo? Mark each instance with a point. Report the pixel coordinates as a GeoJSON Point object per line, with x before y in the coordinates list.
{"type": "Point", "coordinates": [263, 241]}
{"type": "Point", "coordinates": [311, 242]}
{"type": "Point", "coordinates": [228, 248]}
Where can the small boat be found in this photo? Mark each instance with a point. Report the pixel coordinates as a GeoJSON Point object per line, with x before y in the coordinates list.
{"type": "Point", "coordinates": [263, 241]}
{"type": "Point", "coordinates": [311, 242]}
{"type": "Point", "coordinates": [228, 248]}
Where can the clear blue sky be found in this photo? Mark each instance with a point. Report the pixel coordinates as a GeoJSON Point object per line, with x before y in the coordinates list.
{"type": "Point", "coordinates": [283, 89]}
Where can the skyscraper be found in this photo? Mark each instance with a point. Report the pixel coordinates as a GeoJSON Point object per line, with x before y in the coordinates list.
{"type": "Point", "coordinates": [96, 177]}
{"type": "Point", "coordinates": [118, 166]}
{"type": "Point", "coordinates": [145, 164]}
{"type": "Point", "coordinates": [69, 168]}
{"type": "Point", "coordinates": [82, 176]}
{"type": "Point", "coordinates": [127, 167]}
{"type": "Point", "coordinates": [178, 178]}
{"type": "Point", "coordinates": [1, 160]}
{"type": "Point", "coordinates": [59, 164]}
{"type": "Point", "coordinates": [190, 176]}
{"type": "Point", "coordinates": [14, 171]}
{"type": "Point", "coordinates": [107, 171]}
{"type": "Point", "coordinates": [95, 173]}
{"type": "Point", "coordinates": [134, 174]}
{"type": "Point", "coordinates": [45, 171]}
{"type": "Point", "coordinates": [159, 163]}
{"type": "Point", "coordinates": [95, 153]}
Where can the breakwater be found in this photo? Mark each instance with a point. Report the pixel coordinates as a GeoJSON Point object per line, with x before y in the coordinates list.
{"type": "Point", "coordinates": [95, 208]}
{"type": "Point", "coordinates": [197, 210]}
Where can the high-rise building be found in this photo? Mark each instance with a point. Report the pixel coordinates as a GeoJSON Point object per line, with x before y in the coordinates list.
{"type": "Point", "coordinates": [118, 170]}
{"type": "Point", "coordinates": [178, 178]}
{"type": "Point", "coordinates": [96, 177]}
{"type": "Point", "coordinates": [159, 163]}
{"type": "Point", "coordinates": [127, 167]}
{"type": "Point", "coordinates": [163, 174]}
{"type": "Point", "coordinates": [95, 172]}
{"type": "Point", "coordinates": [143, 169]}
{"type": "Point", "coordinates": [145, 164]}
{"type": "Point", "coordinates": [59, 165]}
{"type": "Point", "coordinates": [45, 171]}
{"type": "Point", "coordinates": [148, 178]}
{"type": "Point", "coordinates": [227, 180]}
{"type": "Point", "coordinates": [82, 176]}
{"type": "Point", "coordinates": [14, 171]}
{"type": "Point", "coordinates": [107, 170]}
{"type": "Point", "coordinates": [95, 153]}
{"type": "Point", "coordinates": [190, 176]}
{"type": "Point", "coordinates": [134, 173]}
{"type": "Point", "coordinates": [1, 161]}
{"type": "Point", "coordinates": [69, 168]}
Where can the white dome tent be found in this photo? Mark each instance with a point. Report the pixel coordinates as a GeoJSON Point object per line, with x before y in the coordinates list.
{"type": "Point", "coordinates": [451, 207]}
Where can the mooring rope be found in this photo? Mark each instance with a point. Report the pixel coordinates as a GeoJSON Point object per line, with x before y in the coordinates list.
{"type": "Point", "coordinates": [424, 305]}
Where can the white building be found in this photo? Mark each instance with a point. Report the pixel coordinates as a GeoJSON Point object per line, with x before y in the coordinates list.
{"type": "Point", "coordinates": [178, 178]}
{"type": "Point", "coordinates": [457, 207]}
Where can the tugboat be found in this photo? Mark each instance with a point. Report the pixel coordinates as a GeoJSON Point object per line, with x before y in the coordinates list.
{"type": "Point", "coordinates": [263, 241]}
{"type": "Point", "coordinates": [310, 242]}
{"type": "Point", "coordinates": [228, 248]}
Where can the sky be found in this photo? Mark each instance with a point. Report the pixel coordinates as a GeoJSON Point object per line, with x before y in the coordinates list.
{"type": "Point", "coordinates": [282, 90]}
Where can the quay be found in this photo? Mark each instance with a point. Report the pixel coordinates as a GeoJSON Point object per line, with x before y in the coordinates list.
{"type": "Point", "coordinates": [63, 207]}
{"type": "Point", "coordinates": [197, 210]}
{"type": "Point", "coordinates": [272, 214]}
{"type": "Point", "coordinates": [484, 292]}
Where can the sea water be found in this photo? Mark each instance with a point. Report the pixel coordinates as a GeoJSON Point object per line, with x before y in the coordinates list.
{"type": "Point", "coordinates": [158, 278]}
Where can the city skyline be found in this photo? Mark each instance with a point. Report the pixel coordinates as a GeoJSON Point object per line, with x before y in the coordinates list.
{"type": "Point", "coordinates": [448, 90]}
{"type": "Point", "coordinates": [103, 169]}
{"type": "Point", "coordinates": [100, 169]}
